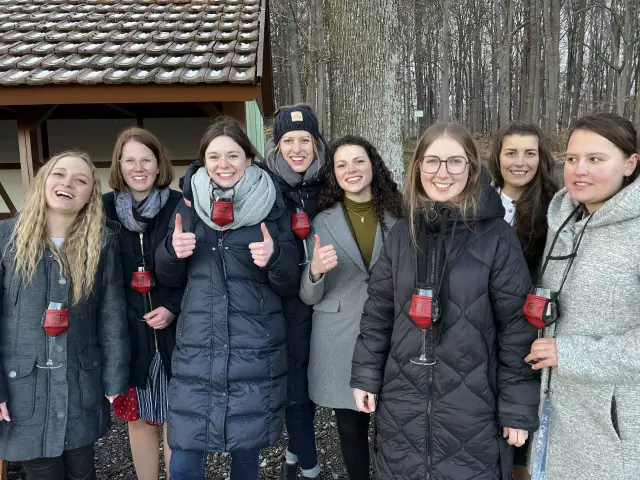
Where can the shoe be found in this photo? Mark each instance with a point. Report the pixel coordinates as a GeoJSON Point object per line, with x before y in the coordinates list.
{"type": "Point", "coordinates": [288, 471]}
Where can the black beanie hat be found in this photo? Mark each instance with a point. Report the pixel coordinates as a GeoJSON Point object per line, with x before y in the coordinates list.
{"type": "Point", "coordinates": [300, 117]}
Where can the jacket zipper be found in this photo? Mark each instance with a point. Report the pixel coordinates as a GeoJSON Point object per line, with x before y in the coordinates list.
{"type": "Point", "coordinates": [430, 378]}
{"type": "Point", "coordinates": [220, 247]}
{"type": "Point", "coordinates": [155, 337]}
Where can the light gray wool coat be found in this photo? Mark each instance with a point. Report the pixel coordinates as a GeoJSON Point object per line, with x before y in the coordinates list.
{"type": "Point", "coordinates": [595, 391]}
{"type": "Point", "coordinates": [337, 299]}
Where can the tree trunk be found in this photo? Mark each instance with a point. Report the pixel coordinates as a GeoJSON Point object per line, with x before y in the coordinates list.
{"type": "Point", "coordinates": [505, 63]}
{"type": "Point", "coordinates": [579, 75]}
{"type": "Point", "coordinates": [493, 86]}
{"type": "Point", "coordinates": [553, 67]}
{"type": "Point", "coordinates": [446, 64]}
{"type": "Point", "coordinates": [365, 66]}
{"type": "Point", "coordinates": [294, 57]}
{"type": "Point", "coordinates": [533, 62]}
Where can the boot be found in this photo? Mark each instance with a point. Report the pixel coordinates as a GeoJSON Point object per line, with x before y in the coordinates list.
{"type": "Point", "coordinates": [288, 471]}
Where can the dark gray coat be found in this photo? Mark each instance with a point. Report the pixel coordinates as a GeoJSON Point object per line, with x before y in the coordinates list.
{"type": "Point", "coordinates": [63, 408]}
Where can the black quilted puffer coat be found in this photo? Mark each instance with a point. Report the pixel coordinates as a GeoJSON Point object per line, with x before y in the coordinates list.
{"type": "Point", "coordinates": [445, 422]}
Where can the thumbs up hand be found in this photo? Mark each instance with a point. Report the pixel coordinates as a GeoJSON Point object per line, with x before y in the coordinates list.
{"type": "Point", "coordinates": [184, 243]}
{"type": "Point", "coordinates": [262, 251]}
{"type": "Point", "coordinates": [324, 259]}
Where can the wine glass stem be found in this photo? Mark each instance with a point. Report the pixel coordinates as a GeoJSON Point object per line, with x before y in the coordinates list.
{"type": "Point", "coordinates": [424, 343]}
{"type": "Point", "coordinates": [51, 339]}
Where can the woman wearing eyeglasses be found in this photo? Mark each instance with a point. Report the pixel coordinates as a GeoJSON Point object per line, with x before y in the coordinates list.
{"type": "Point", "coordinates": [440, 356]}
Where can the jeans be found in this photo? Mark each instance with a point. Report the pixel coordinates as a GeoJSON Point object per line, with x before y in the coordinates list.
{"type": "Point", "coordinates": [302, 441]}
{"type": "Point", "coordinates": [188, 465]}
{"type": "Point", "coordinates": [353, 430]}
{"type": "Point", "coordinates": [76, 464]}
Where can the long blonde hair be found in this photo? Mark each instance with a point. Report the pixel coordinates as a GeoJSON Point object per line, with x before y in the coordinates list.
{"type": "Point", "coordinates": [416, 197]}
{"type": "Point", "coordinates": [79, 254]}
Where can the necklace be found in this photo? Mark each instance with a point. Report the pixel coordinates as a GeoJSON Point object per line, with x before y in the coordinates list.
{"type": "Point", "coordinates": [362, 217]}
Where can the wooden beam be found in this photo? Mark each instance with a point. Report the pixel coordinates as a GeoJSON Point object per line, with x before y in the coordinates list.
{"type": "Point", "coordinates": [7, 200]}
{"type": "Point", "coordinates": [150, 93]}
{"type": "Point", "coordinates": [44, 140]}
{"type": "Point", "coordinates": [34, 115]}
{"type": "Point", "coordinates": [266, 100]}
{"type": "Point", "coordinates": [237, 110]}
{"type": "Point", "coordinates": [4, 474]}
{"type": "Point", "coordinates": [210, 109]}
{"type": "Point", "coordinates": [122, 110]}
{"type": "Point", "coordinates": [29, 154]}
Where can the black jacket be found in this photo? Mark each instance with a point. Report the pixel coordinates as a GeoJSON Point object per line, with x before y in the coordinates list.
{"type": "Point", "coordinates": [142, 337]}
{"type": "Point", "coordinates": [297, 313]}
{"type": "Point", "coordinates": [228, 388]}
{"type": "Point", "coordinates": [444, 422]}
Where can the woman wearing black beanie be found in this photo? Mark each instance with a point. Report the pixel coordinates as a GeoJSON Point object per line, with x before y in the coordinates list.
{"type": "Point", "coordinates": [296, 155]}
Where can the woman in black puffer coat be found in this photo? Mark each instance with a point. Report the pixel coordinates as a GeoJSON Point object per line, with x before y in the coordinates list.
{"type": "Point", "coordinates": [456, 418]}
{"type": "Point", "coordinates": [296, 155]}
{"type": "Point", "coordinates": [228, 388]}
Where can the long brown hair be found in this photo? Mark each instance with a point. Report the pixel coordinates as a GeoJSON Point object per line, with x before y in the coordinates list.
{"type": "Point", "coordinates": [79, 255]}
{"type": "Point", "coordinates": [531, 211]}
{"type": "Point", "coordinates": [385, 192]}
{"type": "Point", "coordinates": [416, 197]}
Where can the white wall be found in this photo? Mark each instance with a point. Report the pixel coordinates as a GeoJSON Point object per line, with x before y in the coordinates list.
{"type": "Point", "coordinates": [180, 136]}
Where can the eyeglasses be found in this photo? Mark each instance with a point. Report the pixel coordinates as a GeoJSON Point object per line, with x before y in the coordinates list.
{"type": "Point", "coordinates": [455, 165]}
{"type": "Point", "coordinates": [146, 162]}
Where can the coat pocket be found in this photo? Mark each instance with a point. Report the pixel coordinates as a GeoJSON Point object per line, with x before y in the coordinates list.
{"type": "Point", "coordinates": [20, 374]}
{"type": "Point", "coordinates": [90, 376]}
{"type": "Point", "coordinates": [328, 305]}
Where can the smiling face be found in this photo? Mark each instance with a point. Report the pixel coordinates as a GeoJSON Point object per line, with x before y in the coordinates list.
{"type": "Point", "coordinates": [68, 187]}
{"type": "Point", "coordinates": [595, 168]}
{"type": "Point", "coordinates": [297, 149]}
{"type": "Point", "coordinates": [139, 167]}
{"type": "Point", "coordinates": [354, 175]}
{"type": "Point", "coordinates": [519, 160]}
{"type": "Point", "coordinates": [443, 186]}
{"type": "Point", "coordinates": [225, 161]}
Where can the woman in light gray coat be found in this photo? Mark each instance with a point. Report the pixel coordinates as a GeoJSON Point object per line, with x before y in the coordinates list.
{"type": "Point", "coordinates": [358, 204]}
{"type": "Point", "coordinates": [54, 375]}
{"type": "Point", "coordinates": [593, 383]}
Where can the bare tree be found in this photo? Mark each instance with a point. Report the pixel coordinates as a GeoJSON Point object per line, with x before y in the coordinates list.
{"type": "Point", "coordinates": [365, 73]}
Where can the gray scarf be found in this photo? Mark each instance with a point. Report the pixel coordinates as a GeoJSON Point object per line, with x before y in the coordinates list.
{"type": "Point", "coordinates": [278, 165]}
{"type": "Point", "coordinates": [253, 197]}
{"type": "Point", "coordinates": [134, 215]}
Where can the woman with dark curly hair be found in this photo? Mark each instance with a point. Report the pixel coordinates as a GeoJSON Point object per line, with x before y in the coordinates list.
{"type": "Point", "coordinates": [358, 204]}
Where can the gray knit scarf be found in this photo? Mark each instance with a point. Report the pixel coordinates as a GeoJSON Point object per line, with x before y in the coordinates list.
{"type": "Point", "coordinates": [253, 197]}
{"type": "Point", "coordinates": [134, 215]}
{"type": "Point", "coordinates": [278, 165]}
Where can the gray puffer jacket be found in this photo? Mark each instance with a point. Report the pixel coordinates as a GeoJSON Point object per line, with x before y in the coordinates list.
{"type": "Point", "coordinates": [59, 409]}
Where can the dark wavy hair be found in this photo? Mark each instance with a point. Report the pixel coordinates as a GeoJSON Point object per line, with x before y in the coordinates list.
{"type": "Point", "coordinates": [385, 192]}
{"type": "Point", "coordinates": [531, 211]}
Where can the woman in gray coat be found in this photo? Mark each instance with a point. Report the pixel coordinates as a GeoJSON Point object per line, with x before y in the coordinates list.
{"type": "Point", "coordinates": [591, 376]}
{"type": "Point", "coordinates": [63, 325]}
{"type": "Point", "coordinates": [358, 204]}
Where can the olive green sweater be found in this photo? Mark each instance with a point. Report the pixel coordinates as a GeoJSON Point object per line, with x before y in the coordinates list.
{"type": "Point", "coordinates": [363, 222]}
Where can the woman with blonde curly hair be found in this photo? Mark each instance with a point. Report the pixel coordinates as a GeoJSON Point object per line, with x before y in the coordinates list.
{"type": "Point", "coordinates": [63, 329]}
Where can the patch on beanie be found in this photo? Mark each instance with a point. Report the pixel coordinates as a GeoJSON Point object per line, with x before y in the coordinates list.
{"type": "Point", "coordinates": [296, 117]}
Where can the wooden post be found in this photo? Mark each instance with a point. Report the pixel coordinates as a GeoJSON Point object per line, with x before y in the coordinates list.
{"type": "Point", "coordinates": [4, 474]}
{"type": "Point", "coordinates": [29, 154]}
{"type": "Point", "coordinates": [29, 119]}
{"type": "Point", "coordinates": [238, 111]}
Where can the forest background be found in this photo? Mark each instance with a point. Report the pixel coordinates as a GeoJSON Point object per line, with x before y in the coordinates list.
{"type": "Point", "coordinates": [372, 67]}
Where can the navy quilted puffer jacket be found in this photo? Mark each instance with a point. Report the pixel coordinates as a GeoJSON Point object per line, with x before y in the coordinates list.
{"type": "Point", "coordinates": [444, 422]}
{"type": "Point", "coordinates": [229, 383]}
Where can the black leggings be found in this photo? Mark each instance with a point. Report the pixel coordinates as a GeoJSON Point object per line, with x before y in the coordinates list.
{"type": "Point", "coordinates": [77, 464]}
{"type": "Point", "coordinates": [353, 429]}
